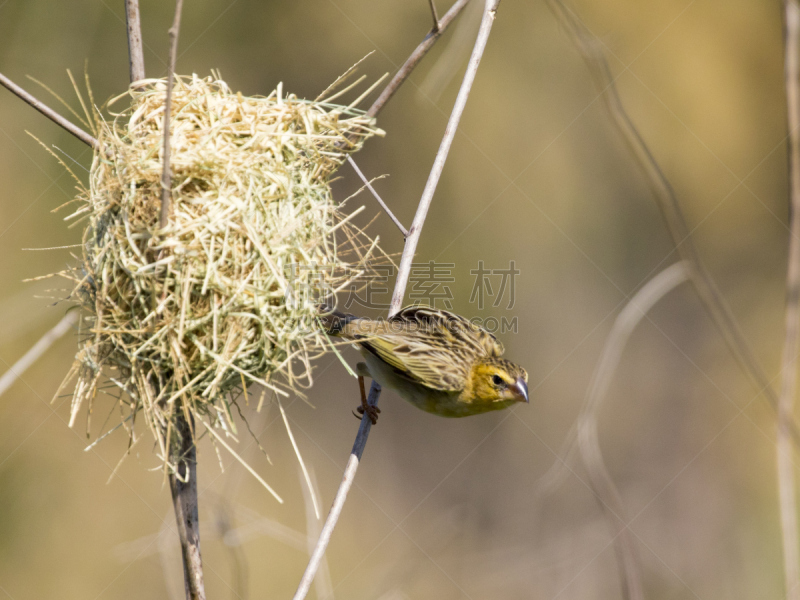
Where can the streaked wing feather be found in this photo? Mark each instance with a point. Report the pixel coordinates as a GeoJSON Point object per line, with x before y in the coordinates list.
{"type": "Point", "coordinates": [432, 366]}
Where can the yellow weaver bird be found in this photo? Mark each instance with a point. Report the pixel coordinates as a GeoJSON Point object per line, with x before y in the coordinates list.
{"type": "Point", "coordinates": [437, 360]}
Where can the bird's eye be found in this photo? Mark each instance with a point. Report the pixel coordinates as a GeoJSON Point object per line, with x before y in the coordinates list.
{"type": "Point", "coordinates": [497, 380]}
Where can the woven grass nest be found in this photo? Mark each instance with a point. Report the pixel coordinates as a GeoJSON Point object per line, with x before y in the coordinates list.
{"type": "Point", "coordinates": [183, 319]}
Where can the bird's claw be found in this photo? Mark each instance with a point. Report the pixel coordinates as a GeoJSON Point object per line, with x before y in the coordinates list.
{"type": "Point", "coordinates": [371, 411]}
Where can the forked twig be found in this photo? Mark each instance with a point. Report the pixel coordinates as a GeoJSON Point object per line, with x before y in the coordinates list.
{"type": "Point", "coordinates": [135, 50]}
{"type": "Point", "coordinates": [166, 176]}
{"type": "Point", "coordinates": [667, 201]}
{"type": "Point", "coordinates": [435, 15]}
{"type": "Point", "coordinates": [417, 55]}
{"type": "Point", "coordinates": [786, 477]}
{"type": "Point", "coordinates": [441, 156]}
{"type": "Point", "coordinates": [587, 439]}
{"type": "Point", "coordinates": [49, 112]}
{"type": "Point", "coordinates": [399, 289]}
{"type": "Point", "coordinates": [439, 26]}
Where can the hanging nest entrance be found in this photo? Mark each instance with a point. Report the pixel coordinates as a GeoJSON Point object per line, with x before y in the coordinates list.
{"type": "Point", "coordinates": [182, 319]}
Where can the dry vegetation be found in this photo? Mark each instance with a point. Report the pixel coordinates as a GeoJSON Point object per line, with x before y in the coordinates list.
{"type": "Point", "coordinates": [182, 319]}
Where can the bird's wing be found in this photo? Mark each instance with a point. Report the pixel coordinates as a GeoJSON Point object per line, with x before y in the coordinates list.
{"type": "Point", "coordinates": [431, 347]}
{"type": "Point", "coordinates": [419, 363]}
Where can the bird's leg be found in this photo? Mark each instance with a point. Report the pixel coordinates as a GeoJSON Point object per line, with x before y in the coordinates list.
{"type": "Point", "coordinates": [363, 392]}
{"type": "Point", "coordinates": [366, 408]}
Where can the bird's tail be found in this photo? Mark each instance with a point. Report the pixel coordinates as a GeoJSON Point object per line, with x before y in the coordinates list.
{"type": "Point", "coordinates": [334, 321]}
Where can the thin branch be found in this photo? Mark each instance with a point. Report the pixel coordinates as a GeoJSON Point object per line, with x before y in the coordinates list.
{"type": "Point", "coordinates": [37, 350]}
{"type": "Point", "coordinates": [417, 55]}
{"type": "Point", "coordinates": [394, 219]}
{"type": "Point", "coordinates": [587, 439]}
{"type": "Point", "coordinates": [135, 50]}
{"type": "Point", "coordinates": [667, 201]}
{"type": "Point", "coordinates": [49, 112]}
{"type": "Point", "coordinates": [399, 290]}
{"type": "Point", "coordinates": [166, 175]}
{"type": "Point", "coordinates": [786, 478]}
{"type": "Point", "coordinates": [183, 485]}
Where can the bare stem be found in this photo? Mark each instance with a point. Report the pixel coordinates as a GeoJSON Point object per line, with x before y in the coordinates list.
{"type": "Point", "coordinates": [386, 209]}
{"type": "Point", "coordinates": [135, 51]}
{"type": "Point", "coordinates": [417, 55]}
{"type": "Point", "coordinates": [705, 287]}
{"type": "Point", "coordinates": [166, 175]}
{"type": "Point", "coordinates": [786, 479]}
{"type": "Point", "coordinates": [49, 112]}
{"type": "Point", "coordinates": [183, 485]}
{"type": "Point", "coordinates": [399, 291]}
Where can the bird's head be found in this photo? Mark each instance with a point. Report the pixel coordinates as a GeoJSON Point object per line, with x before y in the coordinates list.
{"type": "Point", "coordinates": [496, 380]}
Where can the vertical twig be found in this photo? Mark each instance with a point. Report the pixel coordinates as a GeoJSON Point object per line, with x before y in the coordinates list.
{"type": "Point", "coordinates": [400, 286]}
{"type": "Point", "coordinates": [135, 50]}
{"type": "Point", "coordinates": [166, 175]}
{"type": "Point", "coordinates": [587, 439]}
{"type": "Point", "coordinates": [786, 480]}
{"type": "Point", "coordinates": [183, 485]}
{"type": "Point", "coordinates": [182, 482]}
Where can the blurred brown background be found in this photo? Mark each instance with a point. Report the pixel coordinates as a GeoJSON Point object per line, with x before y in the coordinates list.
{"type": "Point", "coordinates": [537, 175]}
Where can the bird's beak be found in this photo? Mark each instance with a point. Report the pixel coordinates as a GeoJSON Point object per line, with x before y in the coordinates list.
{"type": "Point", "coordinates": [521, 389]}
